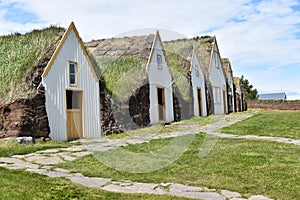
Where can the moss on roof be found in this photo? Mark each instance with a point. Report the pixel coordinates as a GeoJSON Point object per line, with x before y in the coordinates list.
{"type": "Point", "coordinates": [19, 55]}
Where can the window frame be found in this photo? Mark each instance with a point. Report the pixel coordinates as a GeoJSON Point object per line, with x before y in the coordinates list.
{"type": "Point", "coordinates": [159, 64]}
{"type": "Point", "coordinates": [76, 73]}
{"type": "Point", "coordinates": [217, 95]}
{"type": "Point", "coordinates": [197, 70]}
{"type": "Point", "coordinates": [217, 60]}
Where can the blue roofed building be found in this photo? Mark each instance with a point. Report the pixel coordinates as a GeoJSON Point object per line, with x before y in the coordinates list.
{"type": "Point", "coordinates": [272, 96]}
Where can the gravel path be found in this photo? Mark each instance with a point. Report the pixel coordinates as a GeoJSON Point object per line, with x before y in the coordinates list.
{"type": "Point", "coordinates": [42, 162]}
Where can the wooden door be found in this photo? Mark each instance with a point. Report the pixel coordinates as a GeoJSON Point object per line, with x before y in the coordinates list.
{"type": "Point", "coordinates": [199, 97]}
{"type": "Point", "coordinates": [74, 114]}
{"type": "Point", "coordinates": [161, 104]}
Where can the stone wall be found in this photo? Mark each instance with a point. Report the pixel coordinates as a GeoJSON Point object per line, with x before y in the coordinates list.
{"type": "Point", "coordinates": [25, 117]}
{"type": "Point", "coordinates": [108, 123]}
{"type": "Point", "coordinates": [130, 114]}
{"type": "Point", "coordinates": [276, 105]}
{"type": "Point", "coordinates": [183, 109]}
{"type": "Point", "coordinates": [209, 99]}
{"type": "Point", "coordinates": [139, 105]}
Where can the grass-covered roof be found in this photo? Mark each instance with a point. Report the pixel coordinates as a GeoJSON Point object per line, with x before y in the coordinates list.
{"type": "Point", "coordinates": [203, 45]}
{"type": "Point", "coordinates": [20, 56]}
{"type": "Point", "coordinates": [122, 75]}
{"type": "Point", "coordinates": [122, 62]}
{"type": "Point", "coordinates": [237, 82]}
{"type": "Point", "coordinates": [138, 46]}
{"type": "Point", "coordinates": [179, 67]}
{"type": "Point", "coordinates": [226, 67]}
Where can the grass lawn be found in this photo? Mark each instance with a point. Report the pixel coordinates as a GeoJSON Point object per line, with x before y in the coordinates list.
{"type": "Point", "coordinates": [246, 166]}
{"type": "Point", "coordinates": [15, 184]}
{"type": "Point", "coordinates": [12, 147]}
{"type": "Point", "coordinates": [273, 123]}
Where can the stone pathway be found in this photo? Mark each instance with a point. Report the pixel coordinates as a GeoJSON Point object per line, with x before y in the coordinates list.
{"type": "Point", "coordinates": [42, 162]}
{"type": "Point", "coordinates": [213, 129]}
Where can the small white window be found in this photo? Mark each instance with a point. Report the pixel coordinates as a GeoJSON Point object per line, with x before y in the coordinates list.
{"type": "Point", "coordinates": [159, 61]}
{"type": "Point", "coordinates": [217, 95]}
{"type": "Point", "coordinates": [73, 73]}
{"type": "Point", "coordinates": [217, 61]}
{"type": "Point", "coordinates": [197, 70]}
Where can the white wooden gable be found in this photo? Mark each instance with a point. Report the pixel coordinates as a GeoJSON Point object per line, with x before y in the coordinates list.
{"type": "Point", "coordinates": [159, 77]}
{"type": "Point", "coordinates": [56, 81]}
{"type": "Point", "coordinates": [230, 84]}
{"type": "Point", "coordinates": [198, 82]}
{"type": "Point", "coordinates": [218, 81]}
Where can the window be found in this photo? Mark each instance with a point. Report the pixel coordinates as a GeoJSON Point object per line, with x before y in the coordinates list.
{"type": "Point", "coordinates": [217, 95]}
{"type": "Point", "coordinates": [73, 73]}
{"type": "Point", "coordinates": [197, 70]}
{"type": "Point", "coordinates": [159, 61]}
{"type": "Point", "coordinates": [217, 61]}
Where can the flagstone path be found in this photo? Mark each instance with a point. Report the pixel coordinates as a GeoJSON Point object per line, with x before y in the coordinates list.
{"type": "Point", "coordinates": [42, 162]}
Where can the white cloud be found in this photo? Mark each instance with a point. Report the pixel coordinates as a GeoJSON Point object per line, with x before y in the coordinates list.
{"type": "Point", "coordinates": [259, 37]}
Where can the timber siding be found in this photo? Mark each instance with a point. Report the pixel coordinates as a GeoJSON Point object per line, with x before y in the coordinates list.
{"type": "Point", "coordinates": [56, 82]}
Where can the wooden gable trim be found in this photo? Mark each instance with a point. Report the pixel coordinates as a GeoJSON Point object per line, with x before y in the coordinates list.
{"type": "Point", "coordinates": [156, 38]}
{"type": "Point", "coordinates": [59, 47]}
{"type": "Point", "coordinates": [194, 54]}
{"type": "Point", "coordinates": [237, 83]}
{"type": "Point", "coordinates": [227, 67]}
{"type": "Point", "coordinates": [215, 44]}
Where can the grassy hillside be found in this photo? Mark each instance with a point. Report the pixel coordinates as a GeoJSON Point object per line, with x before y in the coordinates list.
{"type": "Point", "coordinates": [19, 53]}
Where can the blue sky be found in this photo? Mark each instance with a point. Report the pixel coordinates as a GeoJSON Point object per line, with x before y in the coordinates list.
{"type": "Point", "coordinates": [260, 37]}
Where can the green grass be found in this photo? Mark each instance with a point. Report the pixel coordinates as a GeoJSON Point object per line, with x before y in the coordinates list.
{"type": "Point", "coordinates": [123, 75]}
{"type": "Point", "coordinates": [19, 54]}
{"type": "Point", "coordinates": [23, 185]}
{"type": "Point", "coordinates": [246, 166]}
{"type": "Point", "coordinates": [273, 123]}
{"type": "Point", "coordinates": [203, 49]}
{"type": "Point", "coordinates": [179, 69]}
{"type": "Point", "coordinates": [12, 147]}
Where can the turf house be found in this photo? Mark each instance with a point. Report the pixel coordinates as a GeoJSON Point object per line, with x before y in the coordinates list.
{"type": "Point", "coordinates": [137, 77]}
{"type": "Point", "coordinates": [230, 84]}
{"type": "Point", "coordinates": [54, 85]}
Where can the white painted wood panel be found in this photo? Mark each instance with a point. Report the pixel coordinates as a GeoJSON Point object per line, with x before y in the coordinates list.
{"type": "Point", "coordinates": [160, 78]}
{"type": "Point", "coordinates": [198, 82]}
{"type": "Point", "coordinates": [217, 79]}
{"type": "Point", "coordinates": [57, 81]}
